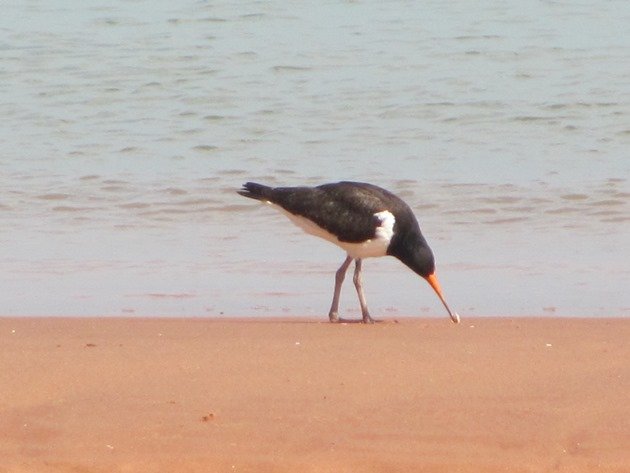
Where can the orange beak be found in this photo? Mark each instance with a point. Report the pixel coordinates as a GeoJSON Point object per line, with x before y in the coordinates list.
{"type": "Point", "coordinates": [435, 284]}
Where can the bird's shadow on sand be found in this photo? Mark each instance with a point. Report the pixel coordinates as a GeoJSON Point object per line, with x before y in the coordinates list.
{"type": "Point", "coordinates": [360, 321]}
{"type": "Point", "coordinates": [299, 320]}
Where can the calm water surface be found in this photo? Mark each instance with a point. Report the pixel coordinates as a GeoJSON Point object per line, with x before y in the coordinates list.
{"type": "Point", "coordinates": [127, 126]}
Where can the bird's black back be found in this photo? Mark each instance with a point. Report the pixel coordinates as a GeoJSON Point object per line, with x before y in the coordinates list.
{"type": "Point", "coordinates": [345, 209]}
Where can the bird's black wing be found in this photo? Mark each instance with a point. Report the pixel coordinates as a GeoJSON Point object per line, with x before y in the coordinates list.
{"type": "Point", "coordinates": [345, 209]}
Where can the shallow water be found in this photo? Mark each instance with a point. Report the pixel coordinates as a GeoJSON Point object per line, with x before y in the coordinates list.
{"type": "Point", "coordinates": [128, 126]}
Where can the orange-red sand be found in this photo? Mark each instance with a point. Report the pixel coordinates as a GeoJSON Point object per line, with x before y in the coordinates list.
{"type": "Point", "coordinates": [198, 395]}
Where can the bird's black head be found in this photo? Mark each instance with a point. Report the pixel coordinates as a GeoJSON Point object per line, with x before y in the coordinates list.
{"type": "Point", "coordinates": [407, 242]}
{"type": "Point", "coordinates": [412, 249]}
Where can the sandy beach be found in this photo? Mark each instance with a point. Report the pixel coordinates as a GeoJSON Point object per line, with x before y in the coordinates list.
{"type": "Point", "coordinates": [250, 395]}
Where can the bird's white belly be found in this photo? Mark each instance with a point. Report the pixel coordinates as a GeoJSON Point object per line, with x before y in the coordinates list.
{"type": "Point", "coordinates": [371, 248]}
{"type": "Point", "coordinates": [368, 249]}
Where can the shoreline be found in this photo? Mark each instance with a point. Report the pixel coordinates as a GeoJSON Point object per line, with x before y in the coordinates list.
{"type": "Point", "coordinates": [518, 394]}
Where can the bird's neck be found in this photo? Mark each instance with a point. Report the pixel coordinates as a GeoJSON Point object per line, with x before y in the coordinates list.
{"type": "Point", "coordinates": [413, 251]}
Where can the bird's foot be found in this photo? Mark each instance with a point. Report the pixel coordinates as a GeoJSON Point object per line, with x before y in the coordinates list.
{"type": "Point", "coordinates": [334, 317]}
{"type": "Point", "coordinates": [367, 319]}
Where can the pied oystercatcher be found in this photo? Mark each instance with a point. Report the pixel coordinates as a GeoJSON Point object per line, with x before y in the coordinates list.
{"type": "Point", "coordinates": [364, 220]}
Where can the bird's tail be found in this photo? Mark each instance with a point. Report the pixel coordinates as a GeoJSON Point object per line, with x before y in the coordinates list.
{"type": "Point", "coordinates": [256, 191]}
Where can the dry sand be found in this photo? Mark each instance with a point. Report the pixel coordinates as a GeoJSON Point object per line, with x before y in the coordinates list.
{"type": "Point", "coordinates": [195, 395]}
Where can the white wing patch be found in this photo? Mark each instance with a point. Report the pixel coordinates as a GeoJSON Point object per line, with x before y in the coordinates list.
{"type": "Point", "coordinates": [385, 231]}
{"type": "Point", "coordinates": [374, 247]}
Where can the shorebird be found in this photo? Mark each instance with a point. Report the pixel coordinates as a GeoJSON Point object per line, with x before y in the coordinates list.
{"type": "Point", "coordinates": [364, 220]}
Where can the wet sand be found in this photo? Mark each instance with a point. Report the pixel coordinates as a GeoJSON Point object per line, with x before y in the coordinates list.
{"type": "Point", "coordinates": [416, 395]}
